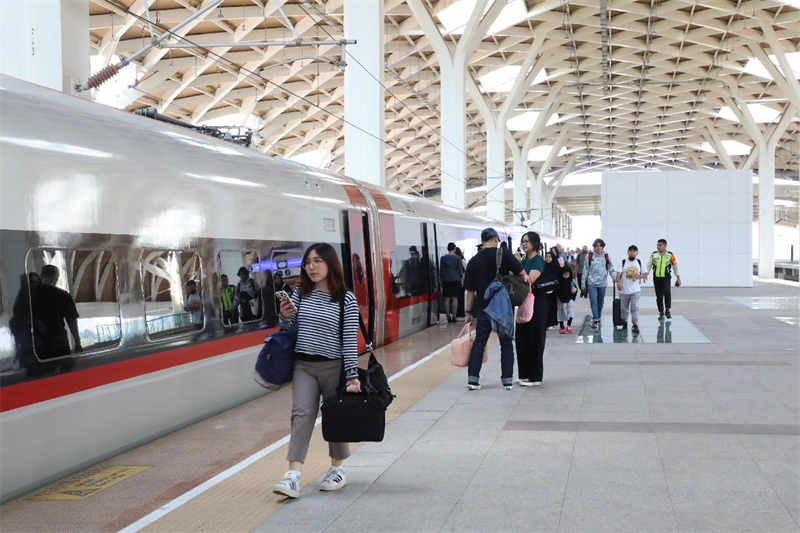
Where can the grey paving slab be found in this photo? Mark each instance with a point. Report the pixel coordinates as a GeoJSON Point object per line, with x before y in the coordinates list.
{"type": "Point", "coordinates": [622, 437]}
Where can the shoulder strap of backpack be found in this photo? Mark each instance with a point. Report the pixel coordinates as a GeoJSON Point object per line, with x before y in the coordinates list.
{"type": "Point", "coordinates": [341, 324]}
{"type": "Point", "coordinates": [623, 264]}
{"type": "Point", "coordinates": [499, 259]}
{"type": "Point", "coordinates": [640, 262]}
{"type": "Point", "coordinates": [608, 261]}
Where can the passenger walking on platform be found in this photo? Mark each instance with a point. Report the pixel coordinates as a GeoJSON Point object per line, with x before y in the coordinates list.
{"type": "Point", "coordinates": [629, 285]}
{"type": "Point", "coordinates": [227, 294]}
{"type": "Point", "coordinates": [664, 263]}
{"type": "Point", "coordinates": [530, 336]}
{"type": "Point", "coordinates": [452, 273]}
{"type": "Point", "coordinates": [567, 289]}
{"type": "Point", "coordinates": [481, 272]}
{"type": "Point", "coordinates": [327, 343]}
{"type": "Point", "coordinates": [597, 268]}
{"type": "Point", "coordinates": [553, 269]}
{"type": "Point", "coordinates": [579, 269]}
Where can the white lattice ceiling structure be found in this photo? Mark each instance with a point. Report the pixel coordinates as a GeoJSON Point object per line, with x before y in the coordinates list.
{"type": "Point", "coordinates": [640, 85]}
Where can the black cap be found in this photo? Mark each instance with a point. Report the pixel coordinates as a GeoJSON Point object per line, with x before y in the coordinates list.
{"type": "Point", "coordinates": [488, 234]}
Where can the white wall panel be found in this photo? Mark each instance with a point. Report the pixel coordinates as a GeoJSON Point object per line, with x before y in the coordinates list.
{"type": "Point", "coordinates": [705, 216]}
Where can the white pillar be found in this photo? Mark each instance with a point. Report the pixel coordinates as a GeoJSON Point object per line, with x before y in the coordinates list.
{"type": "Point", "coordinates": [495, 170]}
{"type": "Point", "coordinates": [45, 42]}
{"type": "Point", "coordinates": [766, 210]}
{"type": "Point", "coordinates": [454, 130]}
{"type": "Point", "coordinates": [521, 193]}
{"type": "Point", "coordinates": [364, 154]}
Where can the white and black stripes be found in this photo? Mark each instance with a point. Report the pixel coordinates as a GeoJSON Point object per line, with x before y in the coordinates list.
{"type": "Point", "coordinates": [318, 328]}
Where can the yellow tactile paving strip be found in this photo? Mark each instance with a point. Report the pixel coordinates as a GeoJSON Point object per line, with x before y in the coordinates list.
{"type": "Point", "coordinates": [242, 502]}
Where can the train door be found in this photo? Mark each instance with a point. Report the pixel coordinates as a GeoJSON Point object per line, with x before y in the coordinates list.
{"type": "Point", "coordinates": [359, 274]}
{"type": "Point", "coordinates": [430, 250]}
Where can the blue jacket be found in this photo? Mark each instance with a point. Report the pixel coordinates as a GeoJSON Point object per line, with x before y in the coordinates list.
{"type": "Point", "coordinates": [499, 309]}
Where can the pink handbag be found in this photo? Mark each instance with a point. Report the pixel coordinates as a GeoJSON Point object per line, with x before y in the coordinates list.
{"type": "Point", "coordinates": [525, 311]}
{"type": "Point", "coordinates": [462, 345]}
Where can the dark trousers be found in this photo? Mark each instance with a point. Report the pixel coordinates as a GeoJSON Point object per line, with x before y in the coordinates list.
{"type": "Point", "coordinates": [663, 293]}
{"type": "Point", "coordinates": [580, 278]}
{"type": "Point", "coordinates": [530, 339]}
{"type": "Point", "coordinates": [483, 328]}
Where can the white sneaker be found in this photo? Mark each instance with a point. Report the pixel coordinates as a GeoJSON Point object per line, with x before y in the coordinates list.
{"type": "Point", "coordinates": [508, 387]}
{"type": "Point", "coordinates": [526, 383]}
{"type": "Point", "coordinates": [334, 479]}
{"type": "Point", "coordinates": [289, 486]}
{"type": "Point", "coordinates": [536, 383]}
{"type": "Point", "coordinates": [473, 386]}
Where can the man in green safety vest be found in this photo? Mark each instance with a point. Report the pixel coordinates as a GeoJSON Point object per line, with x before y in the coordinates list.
{"type": "Point", "coordinates": [227, 294]}
{"type": "Point", "coordinates": [662, 262]}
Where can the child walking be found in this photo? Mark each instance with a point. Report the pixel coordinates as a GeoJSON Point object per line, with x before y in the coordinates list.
{"type": "Point", "coordinates": [567, 291]}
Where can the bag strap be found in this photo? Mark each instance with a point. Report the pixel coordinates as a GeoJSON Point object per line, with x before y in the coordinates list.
{"type": "Point", "coordinates": [499, 260]}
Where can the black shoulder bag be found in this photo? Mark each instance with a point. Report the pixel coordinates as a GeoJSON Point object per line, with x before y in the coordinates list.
{"type": "Point", "coordinates": [356, 417]}
{"type": "Point", "coordinates": [517, 288]}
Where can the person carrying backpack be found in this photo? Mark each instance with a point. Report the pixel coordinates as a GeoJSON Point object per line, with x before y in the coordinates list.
{"type": "Point", "coordinates": [597, 268]}
{"type": "Point", "coordinates": [629, 285]}
{"type": "Point", "coordinates": [662, 262]}
{"type": "Point", "coordinates": [326, 316]}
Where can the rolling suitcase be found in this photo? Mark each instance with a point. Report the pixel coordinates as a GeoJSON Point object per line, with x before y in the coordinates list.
{"type": "Point", "coordinates": [617, 310]}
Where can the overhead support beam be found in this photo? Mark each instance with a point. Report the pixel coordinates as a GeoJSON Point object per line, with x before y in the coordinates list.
{"type": "Point", "coordinates": [364, 131]}
{"type": "Point", "coordinates": [712, 137]}
{"type": "Point", "coordinates": [785, 85]}
{"type": "Point", "coordinates": [453, 84]}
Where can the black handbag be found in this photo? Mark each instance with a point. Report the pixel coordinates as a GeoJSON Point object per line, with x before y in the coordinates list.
{"type": "Point", "coordinates": [357, 417]}
{"type": "Point", "coordinates": [518, 289]}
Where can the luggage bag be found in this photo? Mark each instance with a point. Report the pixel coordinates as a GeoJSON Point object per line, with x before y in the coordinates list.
{"type": "Point", "coordinates": [617, 310]}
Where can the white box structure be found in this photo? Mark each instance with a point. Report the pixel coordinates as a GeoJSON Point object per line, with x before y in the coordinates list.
{"type": "Point", "coordinates": [706, 217]}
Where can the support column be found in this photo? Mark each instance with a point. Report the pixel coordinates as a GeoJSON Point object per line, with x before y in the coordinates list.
{"type": "Point", "coordinates": [521, 193]}
{"type": "Point", "coordinates": [364, 154]}
{"type": "Point", "coordinates": [495, 170]}
{"type": "Point", "coordinates": [45, 42]}
{"type": "Point", "coordinates": [454, 130]}
{"type": "Point", "coordinates": [766, 210]}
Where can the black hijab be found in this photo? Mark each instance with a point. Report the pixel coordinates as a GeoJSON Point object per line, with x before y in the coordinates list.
{"type": "Point", "coordinates": [565, 284]}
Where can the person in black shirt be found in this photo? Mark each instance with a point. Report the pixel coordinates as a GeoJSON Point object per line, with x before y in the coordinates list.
{"type": "Point", "coordinates": [481, 271]}
{"type": "Point", "coordinates": [51, 308]}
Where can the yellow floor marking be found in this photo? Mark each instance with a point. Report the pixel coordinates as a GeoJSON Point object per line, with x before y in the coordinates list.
{"type": "Point", "coordinates": [242, 502]}
{"type": "Point", "coordinates": [86, 484]}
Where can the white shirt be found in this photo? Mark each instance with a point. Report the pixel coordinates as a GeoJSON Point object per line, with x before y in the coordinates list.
{"type": "Point", "coordinates": [631, 270]}
{"type": "Point", "coordinates": [195, 317]}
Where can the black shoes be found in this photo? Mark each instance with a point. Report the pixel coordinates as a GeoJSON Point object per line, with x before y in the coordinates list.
{"type": "Point", "coordinates": [661, 316]}
{"type": "Point", "coordinates": [669, 315]}
{"type": "Point", "coordinates": [624, 325]}
{"type": "Point", "coordinates": [635, 328]}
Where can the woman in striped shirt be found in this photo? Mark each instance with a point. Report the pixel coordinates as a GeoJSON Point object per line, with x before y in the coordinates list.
{"type": "Point", "coordinates": [321, 350]}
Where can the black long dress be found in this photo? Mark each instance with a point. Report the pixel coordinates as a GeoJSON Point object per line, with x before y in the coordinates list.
{"type": "Point", "coordinates": [553, 269]}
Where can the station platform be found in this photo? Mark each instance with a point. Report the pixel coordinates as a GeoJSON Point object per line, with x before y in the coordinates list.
{"type": "Point", "coordinates": [698, 430]}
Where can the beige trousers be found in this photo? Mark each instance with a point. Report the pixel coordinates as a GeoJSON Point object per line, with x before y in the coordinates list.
{"type": "Point", "coordinates": [310, 383]}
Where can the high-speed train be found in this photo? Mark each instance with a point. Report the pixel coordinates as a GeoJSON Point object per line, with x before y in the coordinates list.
{"type": "Point", "coordinates": [130, 210]}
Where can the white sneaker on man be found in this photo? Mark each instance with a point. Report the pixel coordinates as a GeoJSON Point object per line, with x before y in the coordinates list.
{"type": "Point", "coordinates": [526, 383]}
{"type": "Point", "coordinates": [289, 486]}
{"type": "Point", "coordinates": [334, 479]}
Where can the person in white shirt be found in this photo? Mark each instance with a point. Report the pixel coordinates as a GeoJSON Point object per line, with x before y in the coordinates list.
{"type": "Point", "coordinates": [629, 284]}
{"type": "Point", "coordinates": [194, 305]}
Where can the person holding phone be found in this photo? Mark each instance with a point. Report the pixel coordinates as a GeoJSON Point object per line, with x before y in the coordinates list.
{"type": "Point", "coordinates": [322, 348]}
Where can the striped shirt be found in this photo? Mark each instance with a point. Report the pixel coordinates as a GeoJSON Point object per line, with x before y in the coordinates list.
{"type": "Point", "coordinates": [318, 328]}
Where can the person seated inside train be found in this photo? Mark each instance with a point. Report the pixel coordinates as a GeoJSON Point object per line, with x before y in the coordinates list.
{"type": "Point", "coordinates": [249, 296]}
{"type": "Point", "coordinates": [194, 305]}
{"type": "Point", "coordinates": [51, 308]}
{"type": "Point", "coordinates": [227, 293]}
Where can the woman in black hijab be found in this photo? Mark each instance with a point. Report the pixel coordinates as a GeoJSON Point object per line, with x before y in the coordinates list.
{"type": "Point", "coordinates": [552, 268]}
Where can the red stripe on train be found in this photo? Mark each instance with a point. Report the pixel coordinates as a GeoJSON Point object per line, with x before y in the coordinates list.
{"type": "Point", "coordinates": [41, 390]}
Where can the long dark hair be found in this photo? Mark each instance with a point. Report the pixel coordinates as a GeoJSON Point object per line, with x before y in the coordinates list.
{"type": "Point", "coordinates": [336, 283]}
{"type": "Point", "coordinates": [535, 240]}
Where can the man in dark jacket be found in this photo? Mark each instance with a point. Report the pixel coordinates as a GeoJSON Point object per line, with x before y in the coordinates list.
{"type": "Point", "coordinates": [481, 271]}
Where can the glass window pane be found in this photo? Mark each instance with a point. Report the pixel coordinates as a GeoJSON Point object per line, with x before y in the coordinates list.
{"type": "Point", "coordinates": [173, 295]}
{"type": "Point", "coordinates": [74, 303]}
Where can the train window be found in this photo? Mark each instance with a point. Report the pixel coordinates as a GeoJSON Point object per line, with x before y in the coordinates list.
{"type": "Point", "coordinates": [73, 300]}
{"type": "Point", "coordinates": [174, 301]}
{"type": "Point", "coordinates": [240, 287]}
{"type": "Point", "coordinates": [411, 278]}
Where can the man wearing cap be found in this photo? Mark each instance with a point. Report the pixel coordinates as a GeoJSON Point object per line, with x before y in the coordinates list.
{"type": "Point", "coordinates": [481, 271]}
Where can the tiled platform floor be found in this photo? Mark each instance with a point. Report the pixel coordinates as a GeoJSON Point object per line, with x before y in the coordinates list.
{"type": "Point", "coordinates": [620, 438]}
